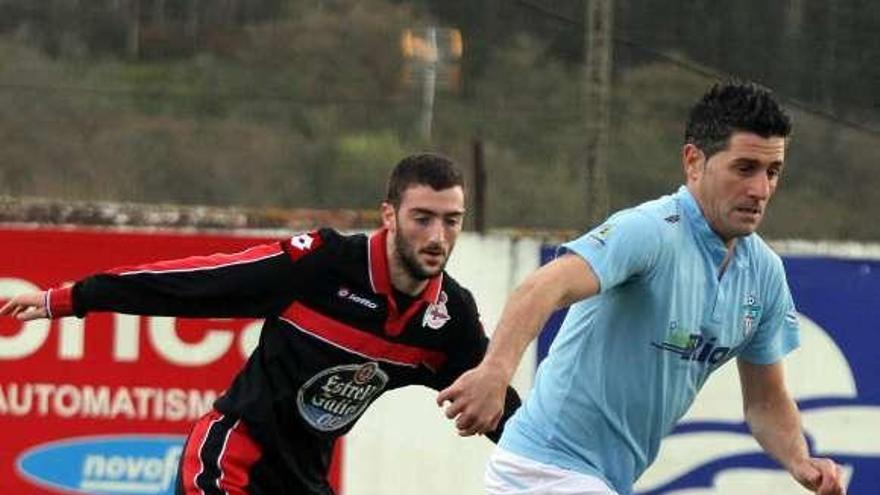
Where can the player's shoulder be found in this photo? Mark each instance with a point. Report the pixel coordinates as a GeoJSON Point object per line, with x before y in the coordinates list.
{"type": "Point", "coordinates": [638, 230]}
{"type": "Point", "coordinates": [458, 303]}
{"type": "Point", "coordinates": [664, 213]}
{"type": "Point", "coordinates": [311, 243]}
{"type": "Point", "coordinates": [767, 268]}
{"type": "Point", "coordinates": [762, 256]}
{"type": "Point", "coordinates": [652, 220]}
{"type": "Point", "coordinates": [453, 287]}
{"type": "Point", "coordinates": [456, 293]}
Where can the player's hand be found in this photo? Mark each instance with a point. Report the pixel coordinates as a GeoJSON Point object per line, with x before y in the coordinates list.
{"type": "Point", "coordinates": [822, 476]}
{"type": "Point", "coordinates": [476, 400]}
{"type": "Point", "coordinates": [26, 307]}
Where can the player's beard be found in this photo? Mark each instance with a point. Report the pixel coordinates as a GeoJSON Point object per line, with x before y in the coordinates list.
{"type": "Point", "coordinates": [408, 257]}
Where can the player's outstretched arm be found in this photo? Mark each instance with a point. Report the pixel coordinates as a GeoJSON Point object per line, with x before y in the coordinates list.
{"type": "Point", "coordinates": [26, 307]}
{"type": "Point", "coordinates": [256, 282]}
{"type": "Point", "coordinates": [477, 396]}
{"type": "Point", "coordinates": [775, 423]}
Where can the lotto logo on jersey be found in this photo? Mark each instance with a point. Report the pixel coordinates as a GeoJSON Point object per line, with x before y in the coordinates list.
{"type": "Point", "coordinates": [347, 294]}
{"type": "Point", "coordinates": [301, 244]}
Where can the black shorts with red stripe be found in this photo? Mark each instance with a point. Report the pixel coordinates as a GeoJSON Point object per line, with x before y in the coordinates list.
{"type": "Point", "coordinates": [221, 458]}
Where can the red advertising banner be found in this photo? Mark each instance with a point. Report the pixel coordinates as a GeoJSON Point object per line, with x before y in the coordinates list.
{"type": "Point", "coordinates": [102, 404]}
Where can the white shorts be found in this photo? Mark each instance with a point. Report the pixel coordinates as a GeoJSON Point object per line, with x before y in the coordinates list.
{"type": "Point", "coordinates": [511, 474]}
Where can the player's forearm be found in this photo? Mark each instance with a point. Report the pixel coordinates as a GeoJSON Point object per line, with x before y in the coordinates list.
{"type": "Point", "coordinates": [777, 428]}
{"type": "Point", "coordinates": [524, 315]}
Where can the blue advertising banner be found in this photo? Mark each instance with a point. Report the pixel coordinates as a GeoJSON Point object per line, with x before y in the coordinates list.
{"type": "Point", "coordinates": [834, 377]}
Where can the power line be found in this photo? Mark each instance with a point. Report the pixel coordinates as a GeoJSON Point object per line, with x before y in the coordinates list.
{"type": "Point", "coordinates": [550, 13]}
{"type": "Point", "coordinates": [703, 70]}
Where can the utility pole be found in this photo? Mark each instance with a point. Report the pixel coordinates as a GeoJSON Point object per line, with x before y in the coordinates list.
{"type": "Point", "coordinates": [134, 29]}
{"type": "Point", "coordinates": [479, 201]}
{"type": "Point", "coordinates": [432, 58]}
{"type": "Point", "coordinates": [429, 84]}
{"type": "Point", "coordinates": [794, 19]}
{"type": "Point", "coordinates": [597, 92]}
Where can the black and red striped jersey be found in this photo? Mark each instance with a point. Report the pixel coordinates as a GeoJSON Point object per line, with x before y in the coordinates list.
{"type": "Point", "coordinates": [336, 335]}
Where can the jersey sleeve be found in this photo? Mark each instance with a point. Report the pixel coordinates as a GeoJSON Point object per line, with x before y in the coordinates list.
{"type": "Point", "coordinates": [256, 282]}
{"type": "Point", "coordinates": [466, 353]}
{"type": "Point", "coordinates": [778, 330]}
{"type": "Point", "coordinates": [626, 245]}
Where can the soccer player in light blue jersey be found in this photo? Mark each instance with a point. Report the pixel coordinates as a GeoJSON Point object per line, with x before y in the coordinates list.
{"type": "Point", "coordinates": [660, 296]}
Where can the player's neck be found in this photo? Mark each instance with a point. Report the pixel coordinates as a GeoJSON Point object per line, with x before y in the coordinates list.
{"type": "Point", "coordinates": [403, 281]}
{"type": "Point", "coordinates": [731, 247]}
{"type": "Point", "coordinates": [401, 278]}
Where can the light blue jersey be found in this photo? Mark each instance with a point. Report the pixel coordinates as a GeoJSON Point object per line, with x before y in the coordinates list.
{"type": "Point", "coordinates": [627, 363]}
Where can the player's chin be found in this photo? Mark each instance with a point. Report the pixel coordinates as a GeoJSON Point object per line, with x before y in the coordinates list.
{"type": "Point", "coordinates": [433, 264]}
{"type": "Point", "coordinates": [742, 229]}
{"type": "Point", "coordinates": [431, 270]}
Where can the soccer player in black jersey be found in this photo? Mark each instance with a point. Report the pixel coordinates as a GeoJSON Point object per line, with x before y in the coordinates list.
{"type": "Point", "coordinates": [346, 318]}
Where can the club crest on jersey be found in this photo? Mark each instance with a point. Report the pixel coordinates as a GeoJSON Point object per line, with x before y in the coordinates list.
{"type": "Point", "coordinates": [751, 312]}
{"type": "Point", "coordinates": [365, 373]}
{"type": "Point", "coordinates": [337, 396]}
{"type": "Point", "coordinates": [436, 315]}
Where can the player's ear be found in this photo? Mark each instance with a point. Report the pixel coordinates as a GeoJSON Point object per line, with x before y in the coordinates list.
{"type": "Point", "coordinates": [389, 216]}
{"type": "Point", "coordinates": [691, 161]}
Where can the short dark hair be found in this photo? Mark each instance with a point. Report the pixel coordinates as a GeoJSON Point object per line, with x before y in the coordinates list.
{"type": "Point", "coordinates": [734, 106]}
{"type": "Point", "coordinates": [428, 169]}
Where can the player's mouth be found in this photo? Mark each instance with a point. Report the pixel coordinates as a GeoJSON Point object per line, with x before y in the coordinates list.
{"type": "Point", "coordinates": [434, 256]}
{"type": "Point", "coordinates": [754, 212]}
